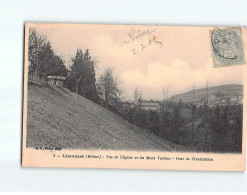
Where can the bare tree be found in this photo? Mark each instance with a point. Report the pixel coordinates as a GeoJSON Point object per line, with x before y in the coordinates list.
{"type": "Point", "coordinates": [108, 88]}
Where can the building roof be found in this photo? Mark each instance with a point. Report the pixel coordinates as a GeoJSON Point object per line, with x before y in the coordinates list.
{"type": "Point", "coordinates": [156, 105]}
{"type": "Point", "coordinates": [150, 101]}
{"type": "Point", "coordinates": [57, 77]}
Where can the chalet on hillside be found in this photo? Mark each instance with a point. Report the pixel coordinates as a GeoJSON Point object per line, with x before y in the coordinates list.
{"type": "Point", "coordinates": [56, 80]}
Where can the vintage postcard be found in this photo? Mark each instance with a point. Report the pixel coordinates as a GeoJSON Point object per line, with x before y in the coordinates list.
{"type": "Point", "coordinates": [134, 97]}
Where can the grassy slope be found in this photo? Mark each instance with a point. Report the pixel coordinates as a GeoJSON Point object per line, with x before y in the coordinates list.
{"type": "Point", "coordinates": [60, 118]}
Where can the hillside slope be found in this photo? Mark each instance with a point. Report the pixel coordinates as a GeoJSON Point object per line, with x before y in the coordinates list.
{"type": "Point", "coordinates": [225, 90]}
{"type": "Point", "coordinates": [60, 118]}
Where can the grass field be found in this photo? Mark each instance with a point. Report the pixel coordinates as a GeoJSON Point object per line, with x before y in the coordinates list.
{"type": "Point", "coordinates": [60, 118]}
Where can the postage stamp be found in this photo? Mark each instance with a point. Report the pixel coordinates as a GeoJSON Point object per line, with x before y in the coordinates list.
{"type": "Point", "coordinates": [134, 97]}
{"type": "Point", "coordinates": [227, 47]}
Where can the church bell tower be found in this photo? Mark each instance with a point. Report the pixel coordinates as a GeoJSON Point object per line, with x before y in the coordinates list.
{"type": "Point", "coordinates": [135, 96]}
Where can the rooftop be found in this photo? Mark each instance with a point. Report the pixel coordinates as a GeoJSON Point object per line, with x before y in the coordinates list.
{"type": "Point", "coordinates": [57, 77]}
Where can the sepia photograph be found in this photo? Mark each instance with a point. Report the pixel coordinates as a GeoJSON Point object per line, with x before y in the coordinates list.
{"type": "Point", "coordinates": [123, 96]}
{"type": "Point", "coordinates": [134, 88]}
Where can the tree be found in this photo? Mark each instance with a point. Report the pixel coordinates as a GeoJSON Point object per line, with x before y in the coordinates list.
{"type": "Point", "coordinates": [154, 119]}
{"type": "Point", "coordinates": [192, 116]}
{"type": "Point", "coordinates": [108, 88]}
{"type": "Point", "coordinates": [42, 59]}
{"type": "Point", "coordinates": [177, 120]}
{"type": "Point", "coordinates": [82, 78]}
{"type": "Point", "coordinates": [78, 68]}
{"type": "Point", "coordinates": [35, 46]}
{"type": "Point", "coordinates": [50, 63]}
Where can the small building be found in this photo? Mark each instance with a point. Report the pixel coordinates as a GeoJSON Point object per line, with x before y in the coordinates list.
{"type": "Point", "coordinates": [198, 104]}
{"type": "Point", "coordinates": [56, 80]}
{"type": "Point", "coordinates": [212, 97]}
{"type": "Point", "coordinates": [139, 103]}
{"type": "Point", "coordinates": [235, 98]}
{"type": "Point", "coordinates": [150, 105]}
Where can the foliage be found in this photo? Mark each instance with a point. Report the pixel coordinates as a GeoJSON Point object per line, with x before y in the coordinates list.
{"type": "Point", "coordinates": [82, 75]}
{"type": "Point", "coordinates": [108, 89]}
{"type": "Point", "coordinates": [42, 59]}
{"type": "Point", "coordinates": [210, 129]}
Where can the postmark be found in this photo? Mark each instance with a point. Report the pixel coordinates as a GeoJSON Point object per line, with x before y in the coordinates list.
{"type": "Point", "coordinates": [86, 121]}
{"type": "Point", "coordinates": [227, 47]}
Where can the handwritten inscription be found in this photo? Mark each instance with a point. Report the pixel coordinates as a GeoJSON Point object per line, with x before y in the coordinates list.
{"type": "Point", "coordinates": [135, 36]}
{"type": "Point", "coordinates": [141, 47]}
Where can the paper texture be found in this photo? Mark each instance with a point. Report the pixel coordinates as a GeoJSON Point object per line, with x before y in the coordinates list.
{"type": "Point", "coordinates": [134, 97]}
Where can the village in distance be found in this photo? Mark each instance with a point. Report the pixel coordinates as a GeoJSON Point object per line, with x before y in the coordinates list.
{"type": "Point", "coordinates": [71, 108]}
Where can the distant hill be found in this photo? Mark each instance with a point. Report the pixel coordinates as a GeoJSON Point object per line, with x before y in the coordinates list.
{"type": "Point", "coordinates": [216, 94]}
{"type": "Point", "coordinates": [58, 117]}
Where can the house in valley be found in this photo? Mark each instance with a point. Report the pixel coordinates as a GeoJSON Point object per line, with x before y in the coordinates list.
{"type": "Point", "coordinates": [139, 103]}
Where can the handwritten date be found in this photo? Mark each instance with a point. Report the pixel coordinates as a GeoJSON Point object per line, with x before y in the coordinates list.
{"type": "Point", "coordinates": [143, 46]}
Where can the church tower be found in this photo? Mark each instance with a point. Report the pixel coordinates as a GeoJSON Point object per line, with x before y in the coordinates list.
{"type": "Point", "coordinates": [135, 96]}
{"type": "Point", "coordinates": [140, 95]}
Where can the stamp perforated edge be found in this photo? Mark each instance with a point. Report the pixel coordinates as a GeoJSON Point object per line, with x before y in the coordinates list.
{"type": "Point", "coordinates": [212, 49]}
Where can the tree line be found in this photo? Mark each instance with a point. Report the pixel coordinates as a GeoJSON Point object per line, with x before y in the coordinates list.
{"type": "Point", "coordinates": [203, 128]}
{"type": "Point", "coordinates": [199, 128]}
{"type": "Point", "coordinates": [43, 61]}
{"type": "Point", "coordinates": [81, 76]}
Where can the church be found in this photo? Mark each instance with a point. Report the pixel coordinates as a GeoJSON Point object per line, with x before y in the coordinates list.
{"type": "Point", "coordinates": [145, 104]}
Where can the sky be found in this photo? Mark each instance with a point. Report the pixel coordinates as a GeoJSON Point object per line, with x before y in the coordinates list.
{"type": "Point", "coordinates": [149, 58]}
